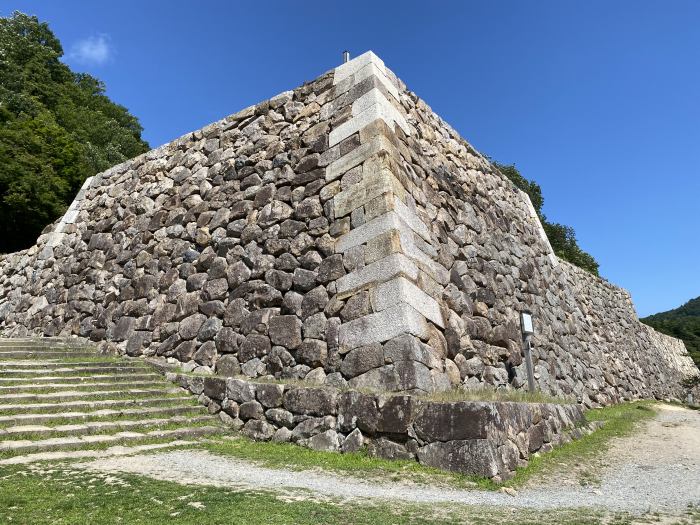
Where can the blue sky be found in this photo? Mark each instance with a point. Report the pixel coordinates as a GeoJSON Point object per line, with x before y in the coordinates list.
{"type": "Point", "coordinates": [597, 101]}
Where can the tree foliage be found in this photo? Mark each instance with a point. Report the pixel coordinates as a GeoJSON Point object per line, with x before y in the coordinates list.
{"type": "Point", "coordinates": [57, 128]}
{"type": "Point", "coordinates": [683, 323]}
{"type": "Point", "coordinates": [561, 237]}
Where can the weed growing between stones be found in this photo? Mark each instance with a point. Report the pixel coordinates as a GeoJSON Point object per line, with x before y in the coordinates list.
{"type": "Point", "coordinates": [492, 394]}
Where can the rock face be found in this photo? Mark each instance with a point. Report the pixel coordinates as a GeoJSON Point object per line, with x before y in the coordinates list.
{"type": "Point", "coordinates": [341, 230]}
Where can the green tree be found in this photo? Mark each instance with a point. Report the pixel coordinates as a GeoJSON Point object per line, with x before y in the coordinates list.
{"type": "Point", "coordinates": [561, 237]}
{"type": "Point", "coordinates": [683, 323]}
{"type": "Point", "coordinates": [57, 128]}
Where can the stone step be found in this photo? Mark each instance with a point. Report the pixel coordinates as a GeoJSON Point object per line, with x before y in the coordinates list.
{"type": "Point", "coordinates": [69, 443]}
{"type": "Point", "coordinates": [68, 380]}
{"type": "Point", "coordinates": [30, 343]}
{"type": "Point", "coordinates": [96, 415]}
{"type": "Point", "coordinates": [12, 343]}
{"type": "Point", "coordinates": [116, 450]}
{"type": "Point", "coordinates": [32, 408]}
{"type": "Point", "coordinates": [101, 427]}
{"type": "Point", "coordinates": [18, 354]}
{"type": "Point", "coordinates": [51, 364]}
{"type": "Point", "coordinates": [68, 370]}
{"type": "Point", "coordinates": [45, 347]}
{"type": "Point", "coordinates": [59, 387]}
{"type": "Point", "coordinates": [40, 338]}
{"type": "Point", "coordinates": [70, 395]}
{"type": "Point", "coordinates": [62, 399]}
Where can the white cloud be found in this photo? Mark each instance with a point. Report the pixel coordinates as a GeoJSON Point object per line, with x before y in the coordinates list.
{"type": "Point", "coordinates": [94, 50]}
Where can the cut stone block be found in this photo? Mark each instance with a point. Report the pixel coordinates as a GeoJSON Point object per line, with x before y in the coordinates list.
{"type": "Point", "coordinates": [377, 272]}
{"type": "Point", "coordinates": [540, 229]}
{"type": "Point", "coordinates": [474, 456]}
{"type": "Point", "coordinates": [382, 326]}
{"type": "Point", "coordinates": [45, 253]}
{"type": "Point", "coordinates": [357, 156]}
{"type": "Point", "coordinates": [409, 376]}
{"type": "Point", "coordinates": [373, 70]}
{"type": "Point", "coordinates": [369, 107]}
{"type": "Point", "coordinates": [70, 217]}
{"type": "Point", "coordinates": [382, 225]}
{"type": "Point", "coordinates": [401, 290]}
{"type": "Point", "coordinates": [408, 348]}
{"type": "Point", "coordinates": [411, 219]}
{"type": "Point", "coordinates": [371, 229]}
{"type": "Point", "coordinates": [382, 245]}
{"type": "Point", "coordinates": [86, 185]}
{"type": "Point", "coordinates": [455, 421]}
{"type": "Point", "coordinates": [373, 184]}
{"type": "Point", "coordinates": [356, 64]}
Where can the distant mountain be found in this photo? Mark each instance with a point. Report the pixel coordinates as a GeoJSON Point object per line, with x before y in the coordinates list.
{"type": "Point", "coordinates": [683, 322]}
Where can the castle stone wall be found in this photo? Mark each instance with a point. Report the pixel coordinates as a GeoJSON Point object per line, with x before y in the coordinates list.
{"type": "Point", "coordinates": [340, 233]}
{"type": "Point", "coordinates": [589, 342]}
{"type": "Point", "coordinates": [487, 439]}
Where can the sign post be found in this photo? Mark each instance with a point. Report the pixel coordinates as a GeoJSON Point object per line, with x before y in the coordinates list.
{"type": "Point", "coordinates": [528, 330]}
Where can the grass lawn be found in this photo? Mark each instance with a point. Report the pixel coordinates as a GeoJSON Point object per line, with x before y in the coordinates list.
{"type": "Point", "coordinates": [51, 494]}
{"type": "Point", "coordinates": [620, 420]}
{"type": "Point", "coordinates": [47, 493]}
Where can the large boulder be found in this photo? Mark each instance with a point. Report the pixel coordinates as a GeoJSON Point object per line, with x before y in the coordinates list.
{"type": "Point", "coordinates": [357, 410]}
{"type": "Point", "coordinates": [285, 330]}
{"type": "Point", "coordinates": [454, 421]}
{"type": "Point", "coordinates": [477, 457]}
{"type": "Point", "coordinates": [328, 441]}
{"type": "Point", "coordinates": [259, 430]}
{"type": "Point", "coordinates": [311, 401]}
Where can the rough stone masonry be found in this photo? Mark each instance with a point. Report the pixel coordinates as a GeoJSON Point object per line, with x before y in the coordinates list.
{"type": "Point", "coordinates": [340, 233]}
{"type": "Point", "coordinates": [488, 439]}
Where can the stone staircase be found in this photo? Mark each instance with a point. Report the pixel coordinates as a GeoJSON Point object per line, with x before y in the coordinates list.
{"type": "Point", "coordinates": [60, 399]}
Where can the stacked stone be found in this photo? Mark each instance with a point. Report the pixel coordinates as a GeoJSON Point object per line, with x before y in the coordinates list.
{"type": "Point", "coordinates": [210, 249]}
{"type": "Point", "coordinates": [478, 438]}
{"type": "Point", "coordinates": [340, 233]}
{"type": "Point", "coordinates": [392, 289]}
{"type": "Point", "coordinates": [589, 342]}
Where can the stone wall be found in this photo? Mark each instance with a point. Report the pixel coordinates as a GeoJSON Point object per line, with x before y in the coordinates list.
{"type": "Point", "coordinates": [340, 233]}
{"type": "Point", "coordinates": [488, 439]}
{"type": "Point", "coordinates": [589, 342]}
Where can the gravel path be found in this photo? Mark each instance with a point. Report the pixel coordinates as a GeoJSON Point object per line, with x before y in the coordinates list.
{"type": "Point", "coordinates": [657, 470]}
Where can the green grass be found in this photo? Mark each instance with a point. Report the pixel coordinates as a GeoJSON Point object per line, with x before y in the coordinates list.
{"type": "Point", "coordinates": [619, 421]}
{"type": "Point", "coordinates": [287, 455]}
{"type": "Point", "coordinates": [55, 495]}
{"type": "Point", "coordinates": [492, 394]}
